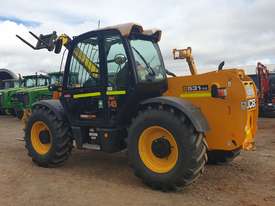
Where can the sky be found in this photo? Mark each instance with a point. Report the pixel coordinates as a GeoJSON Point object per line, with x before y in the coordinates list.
{"type": "Point", "coordinates": [239, 32]}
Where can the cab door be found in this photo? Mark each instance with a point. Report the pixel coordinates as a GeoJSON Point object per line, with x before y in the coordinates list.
{"type": "Point", "coordinates": [83, 94]}
{"type": "Point", "coordinates": [120, 79]}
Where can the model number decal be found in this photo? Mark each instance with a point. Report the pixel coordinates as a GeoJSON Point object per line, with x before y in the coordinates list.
{"type": "Point", "coordinates": [195, 88]}
{"type": "Point", "coordinates": [251, 103]}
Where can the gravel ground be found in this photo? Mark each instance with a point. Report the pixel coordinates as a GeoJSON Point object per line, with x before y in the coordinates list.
{"type": "Point", "coordinates": [94, 178]}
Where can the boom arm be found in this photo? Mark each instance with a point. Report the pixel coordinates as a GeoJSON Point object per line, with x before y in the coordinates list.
{"type": "Point", "coordinates": [52, 42]}
{"type": "Point", "coordinates": [186, 54]}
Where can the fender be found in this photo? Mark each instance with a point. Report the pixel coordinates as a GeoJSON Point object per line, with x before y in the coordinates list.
{"type": "Point", "coordinates": [192, 112]}
{"type": "Point", "coordinates": [54, 105]}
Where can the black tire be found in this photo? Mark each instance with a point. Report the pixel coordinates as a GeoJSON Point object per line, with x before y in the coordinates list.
{"type": "Point", "coordinates": [222, 157]}
{"type": "Point", "coordinates": [61, 139]}
{"type": "Point", "coordinates": [191, 148]}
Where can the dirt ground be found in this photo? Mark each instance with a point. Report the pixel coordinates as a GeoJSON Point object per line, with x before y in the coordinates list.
{"type": "Point", "coordinates": [94, 178]}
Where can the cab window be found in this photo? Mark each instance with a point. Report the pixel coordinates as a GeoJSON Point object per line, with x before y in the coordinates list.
{"type": "Point", "coordinates": [42, 82]}
{"type": "Point", "coordinates": [84, 66]}
{"type": "Point", "coordinates": [30, 82]}
{"type": "Point", "coordinates": [117, 62]}
{"type": "Point", "coordinates": [148, 60]}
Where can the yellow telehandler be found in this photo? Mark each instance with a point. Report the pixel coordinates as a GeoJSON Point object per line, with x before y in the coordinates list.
{"type": "Point", "coordinates": [116, 95]}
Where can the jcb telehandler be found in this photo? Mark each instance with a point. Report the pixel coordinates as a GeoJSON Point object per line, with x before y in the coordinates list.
{"type": "Point", "coordinates": [121, 98]}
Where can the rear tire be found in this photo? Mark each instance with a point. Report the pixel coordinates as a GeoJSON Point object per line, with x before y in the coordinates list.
{"type": "Point", "coordinates": [190, 147]}
{"type": "Point", "coordinates": [222, 157]}
{"type": "Point", "coordinates": [58, 148]}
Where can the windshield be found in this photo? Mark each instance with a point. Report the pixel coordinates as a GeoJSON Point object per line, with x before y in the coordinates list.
{"type": "Point", "coordinates": [29, 82]}
{"type": "Point", "coordinates": [148, 60]}
{"type": "Point", "coordinates": [42, 82]}
{"type": "Point", "coordinates": [8, 85]}
{"type": "Point", "coordinates": [16, 84]}
{"type": "Point", "coordinates": [11, 84]}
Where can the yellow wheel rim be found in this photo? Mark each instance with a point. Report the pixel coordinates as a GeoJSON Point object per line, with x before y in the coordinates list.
{"type": "Point", "coordinates": [39, 147]}
{"type": "Point", "coordinates": [149, 158]}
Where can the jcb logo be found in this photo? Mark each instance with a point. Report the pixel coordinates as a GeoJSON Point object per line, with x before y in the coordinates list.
{"type": "Point", "coordinates": [251, 103]}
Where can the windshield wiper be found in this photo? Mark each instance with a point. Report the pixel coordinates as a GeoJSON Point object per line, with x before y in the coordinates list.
{"type": "Point", "coordinates": [150, 71]}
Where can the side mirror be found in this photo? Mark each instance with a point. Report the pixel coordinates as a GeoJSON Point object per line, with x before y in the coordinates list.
{"type": "Point", "coordinates": [120, 59]}
{"type": "Point", "coordinates": [221, 65]}
{"type": "Point", "coordinates": [58, 46]}
{"type": "Point", "coordinates": [55, 88]}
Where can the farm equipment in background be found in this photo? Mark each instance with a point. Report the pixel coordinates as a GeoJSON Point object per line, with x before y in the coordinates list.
{"type": "Point", "coordinates": [122, 99]}
{"type": "Point", "coordinates": [9, 88]}
{"type": "Point", "coordinates": [265, 82]}
{"type": "Point", "coordinates": [33, 87]}
{"type": "Point", "coordinates": [272, 87]}
{"type": "Point", "coordinates": [41, 92]}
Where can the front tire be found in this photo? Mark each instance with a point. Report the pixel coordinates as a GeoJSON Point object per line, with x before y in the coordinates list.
{"type": "Point", "coordinates": [47, 139]}
{"type": "Point", "coordinates": [165, 150]}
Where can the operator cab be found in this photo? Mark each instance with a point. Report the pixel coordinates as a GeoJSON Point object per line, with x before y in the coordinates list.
{"type": "Point", "coordinates": [109, 72]}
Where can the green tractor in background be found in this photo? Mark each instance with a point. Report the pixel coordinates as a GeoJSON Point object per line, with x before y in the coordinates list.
{"type": "Point", "coordinates": [36, 88]}
{"type": "Point", "coordinates": [10, 87]}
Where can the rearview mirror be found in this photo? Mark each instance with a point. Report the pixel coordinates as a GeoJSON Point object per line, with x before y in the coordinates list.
{"type": "Point", "coordinates": [120, 59]}
{"type": "Point", "coordinates": [58, 46]}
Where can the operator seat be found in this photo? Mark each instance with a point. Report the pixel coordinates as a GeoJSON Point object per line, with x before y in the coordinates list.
{"type": "Point", "coordinates": [122, 76]}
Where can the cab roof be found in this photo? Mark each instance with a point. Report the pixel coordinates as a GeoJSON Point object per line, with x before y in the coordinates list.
{"type": "Point", "coordinates": [35, 75]}
{"type": "Point", "coordinates": [128, 28]}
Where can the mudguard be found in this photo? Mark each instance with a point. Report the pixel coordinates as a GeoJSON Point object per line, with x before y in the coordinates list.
{"type": "Point", "coordinates": [192, 112]}
{"type": "Point", "coordinates": [54, 105]}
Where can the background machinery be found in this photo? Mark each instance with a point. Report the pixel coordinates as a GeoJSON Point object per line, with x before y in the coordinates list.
{"type": "Point", "coordinates": [32, 88]}
{"type": "Point", "coordinates": [115, 95]}
{"type": "Point", "coordinates": [265, 82]}
{"type": "Point", "coordinates": [10, 86]}
{"type": "Point", "coordinates": [28, 96]}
